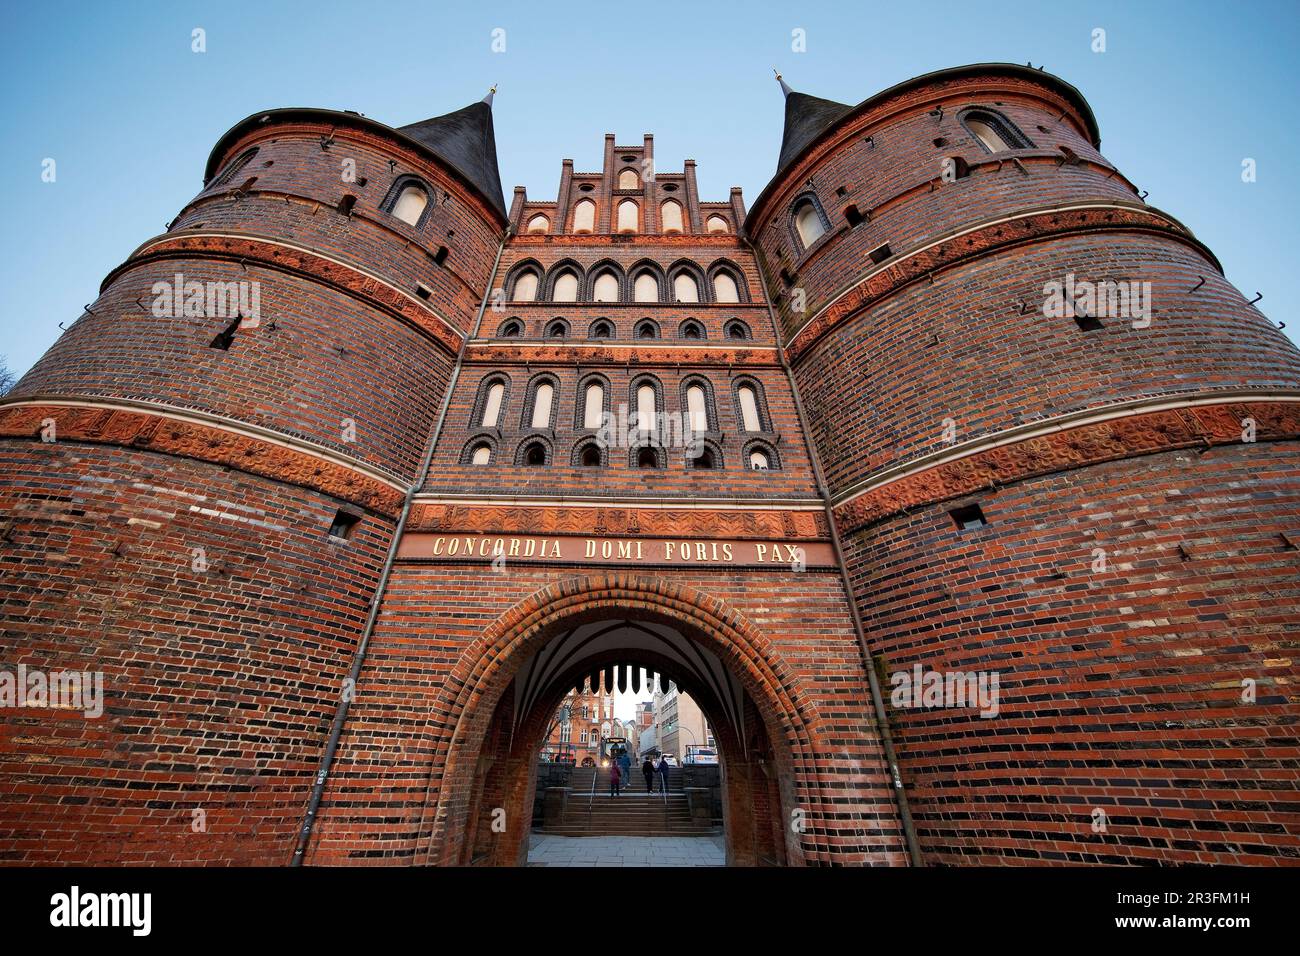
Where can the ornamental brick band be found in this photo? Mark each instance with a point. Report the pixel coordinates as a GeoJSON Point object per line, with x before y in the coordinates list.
{"type": "Point", "coordinates": [981, 241]}
{"type": "Point", "coordinates": [619, 520]}
{"type": "Point", "coordinates": [585, 354]}
{"type": "Point", "coordinates": [293, 259]}
{"type": "Point", "coordinates": [1086, 444]}
{"type": "Point", "coordinates": [163, 433]}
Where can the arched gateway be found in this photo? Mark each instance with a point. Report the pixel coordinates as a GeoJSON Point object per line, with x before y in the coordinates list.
{"type": "Point", "coordinates": [793, 793]}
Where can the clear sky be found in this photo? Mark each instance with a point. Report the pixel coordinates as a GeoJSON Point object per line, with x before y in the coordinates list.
{"type": "Point", "coordinates": [113, 93]}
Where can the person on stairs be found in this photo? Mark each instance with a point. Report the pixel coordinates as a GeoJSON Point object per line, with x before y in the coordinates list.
{"type": "Point", "coordinates": [615, 777]}
{"type": "Point", "coordinates": [625, 766]}
{"type": "Point", "coordinates": [648, 771]}
{"type": "Point", "coordinates": [663, 773]}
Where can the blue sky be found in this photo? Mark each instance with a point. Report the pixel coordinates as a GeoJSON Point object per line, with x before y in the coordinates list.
{"type": "Point", "coordinates": [114, 94]}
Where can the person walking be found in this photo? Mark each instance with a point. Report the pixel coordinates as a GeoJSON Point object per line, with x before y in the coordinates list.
{"type": "Point", "coordinates": [615, 778]}
{"type": "Point", "coordinates": [625, 765]}
{"type": "Point", "coordinates": [663, 773]}
{"type": "Point", "coordinates": [648, 771]}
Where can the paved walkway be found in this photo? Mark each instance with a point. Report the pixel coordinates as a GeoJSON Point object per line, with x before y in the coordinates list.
{"type": "Point", "coordinates": [547, 850]}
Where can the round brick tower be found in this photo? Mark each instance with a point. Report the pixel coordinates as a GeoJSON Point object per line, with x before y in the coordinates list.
{"type": "Point", "coordinates": [204, 476]}
{"type": "Point", "coordinates": [1061, 451]}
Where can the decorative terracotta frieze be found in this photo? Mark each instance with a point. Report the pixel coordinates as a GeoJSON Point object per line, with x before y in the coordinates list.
{"type": "Point", "coordinates": [622, 519]}
{"type": "Point", "coordinates": [157, 432]}
{"type": "Point", "coordinates": [1089, 443]}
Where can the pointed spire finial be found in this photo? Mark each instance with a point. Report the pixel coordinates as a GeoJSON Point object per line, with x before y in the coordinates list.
{"type": "Point", "coordinates": [784, 88]}
{"type": "Point", "coordinates": [491, 93]}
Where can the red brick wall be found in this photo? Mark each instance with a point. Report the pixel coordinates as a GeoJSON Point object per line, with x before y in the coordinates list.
{"type": "Point", "coordinates": [219, 685]}
{"type": "Point", "coordinates": [1121, 689]}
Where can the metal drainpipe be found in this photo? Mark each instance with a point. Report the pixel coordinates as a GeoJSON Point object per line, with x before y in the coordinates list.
{"type": "Point", "coordinates": [341, 713]}
{"type": "Point", "coordinates": [877, 701]}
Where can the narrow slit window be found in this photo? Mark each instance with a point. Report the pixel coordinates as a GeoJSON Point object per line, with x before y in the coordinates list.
{"type": "Point", "coordinates": [697, 409]}
{"type": "Point", "coordinates": [226, 337]}
{"type": "Point", "coordinates": [593, 407]}
{"type": "Point", "coordinates": [492, 407]}
{"type": "Point", "coordinates": [968, 517]}
{"type": "Point", "coordinates": [749, 409]}
{"type": "Point", "coordinates": [542, 405]}
{"type": "Point", "coordinates": [645, 408]}
{"type": "Point", "coordinates": [345, 525]}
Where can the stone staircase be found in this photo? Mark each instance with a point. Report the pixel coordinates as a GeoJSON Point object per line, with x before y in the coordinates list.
{"type": "Point", "coordinates": [593, 812]}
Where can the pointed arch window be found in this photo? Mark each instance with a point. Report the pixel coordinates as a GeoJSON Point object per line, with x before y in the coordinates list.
{"type": "Point", "coordinates": [565, 288]}
{"type": "Point", "coordinates": [670, 216]}
{"type": "Point", "coordinates": [717, 224]}
{"type": "Point", "coordinates": [646, 288]}
{"type": "Point", "coordinates": [605, 288]}
{"type": "Point", "coordinates": [584, 216]}
{"type": "Point", "coordinates": [994, 131]}
{"type": "Point", "coordinates": [233, 169]}
{"type": "Point", "coordinates": [725, 288]}
{"type": "Point", "coordinates": [629, 216]}
{"type": "Point", "coordinates": [525, 289]}
{"type": "Point", "coordinates": [627, 179]}
{"type": "Point", "coordinates": [809, 222]}
{"type": "Point", "coordinates": [685, 288]}
{"type": "Point", "coordinates": [539, 223]}
{"type": "Point", "coordinates": [737, 329]}
{"type": "Point", "coordinates": [601, 330]}
{"type": "Point", "coordinates": [410, 205]}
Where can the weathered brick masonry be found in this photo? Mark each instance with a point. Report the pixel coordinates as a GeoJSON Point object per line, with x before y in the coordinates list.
{"type": "Point", "coordinates": [872, 332]}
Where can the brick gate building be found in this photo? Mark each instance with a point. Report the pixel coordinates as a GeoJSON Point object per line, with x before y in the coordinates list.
{"type": "Point", "coordinates": [339, 561]}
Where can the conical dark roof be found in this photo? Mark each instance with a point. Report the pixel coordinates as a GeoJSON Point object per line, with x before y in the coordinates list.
{"type": "Point", "coordinates": [465, 140]}
{"type": "Point", "coordinates": [805, 118]}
